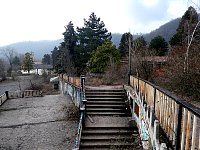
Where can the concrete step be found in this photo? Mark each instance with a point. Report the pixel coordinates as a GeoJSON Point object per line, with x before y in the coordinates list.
{"type": "Point", "coordinates": [106, 144]}
{"type": "Point", "coordinates": [105, 110]}
{"type": "Point", "coordinates": [104, 99]}
{"type": "Point", "coordinates": [104, 96]}
{"type": "Point", "coordinates": [108, 136]}
{"type": "Point", "coordinates": [105, 92]}
{"type": "Point", "coordinates": [111, 128]}
{"type": "Point", "coordinates": [106, 106]}
{"type": "Point", "coordinates": [105, 102]}
{"type": "Point", "coordinates": [122, 114]}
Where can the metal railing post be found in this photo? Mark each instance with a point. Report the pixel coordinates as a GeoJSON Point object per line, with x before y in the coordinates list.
{"type": "Point", "coordinates": [154, 98]}
{"type": "Point", "coordinates": [7, 96]}
{"type": "Point", "coordinates": [82, 82]}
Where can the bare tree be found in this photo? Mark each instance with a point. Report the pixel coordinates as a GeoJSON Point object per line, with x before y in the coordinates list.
{"type": "Point", "coordinates": [191, 37]}
{"type": "Point", "coordinates": [9, 53]}
{"type": "Point", "coordinates": [141, 59]}
{"type": "Point", "coordinates": [2, 69]}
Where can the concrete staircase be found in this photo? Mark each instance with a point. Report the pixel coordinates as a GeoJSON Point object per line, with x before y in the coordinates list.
{"type": "Point", "coordinates": [106, 102]}
{"type": "Point", "coordinates": [108, 124]}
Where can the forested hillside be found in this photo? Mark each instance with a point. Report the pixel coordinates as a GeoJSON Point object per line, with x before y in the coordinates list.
{"type": "Point", "coordinates": [166, 31]}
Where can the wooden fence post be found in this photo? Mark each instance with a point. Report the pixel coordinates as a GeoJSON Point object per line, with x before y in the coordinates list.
{"type": "Point", "coordinates": [178, 130]}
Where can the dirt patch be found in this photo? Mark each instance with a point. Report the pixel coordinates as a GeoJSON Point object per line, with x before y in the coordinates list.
{"type": "Point", "coordinates": [71, 112]}
{"type": "Point", "coordinates": [31, 82]}
{"type": "Point", "coordinates": [47, 89]}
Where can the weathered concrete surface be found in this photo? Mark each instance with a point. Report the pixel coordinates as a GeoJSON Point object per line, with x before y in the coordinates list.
{"type": "Point", "coordinates": [46, 123]}
{"type": "Point", "coordinates": [107, 121]}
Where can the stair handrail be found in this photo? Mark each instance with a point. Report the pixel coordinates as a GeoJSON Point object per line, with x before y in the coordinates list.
{"type": "Point", "coordinates": [82, 111]}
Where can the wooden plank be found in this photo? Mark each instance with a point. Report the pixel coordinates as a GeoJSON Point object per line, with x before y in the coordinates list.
{"type": "Point", "coordinates": [168, 116]}
{"type": "Point", "coordinates": [158, 106]}
{"type": "Point", "coordinates": [187, 140]}
{"type": "Point", "coordinates": [171, 119]}
{"type": "Point", "coordinates": [132, 81]}
{"type": "Point", "coordinates": [183, 129]}
{"type": "Point", "coordinates": [199, 140]}
{"type": "Point", "coordinates": [175, 122]}
{"type": "Point", "coordinates": [166, 113]}
{"type": "Point", "coordinates": [162, 110]}
{"type": "Point", "coordinates": [194, 132]}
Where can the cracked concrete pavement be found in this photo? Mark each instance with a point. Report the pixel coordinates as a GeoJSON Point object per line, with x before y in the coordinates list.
{"type": "Point", "coordinates": [44, 123]}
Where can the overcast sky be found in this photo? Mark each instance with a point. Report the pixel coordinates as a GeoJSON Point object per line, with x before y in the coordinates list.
{"type": "Point", "coordinates": [32, 20]}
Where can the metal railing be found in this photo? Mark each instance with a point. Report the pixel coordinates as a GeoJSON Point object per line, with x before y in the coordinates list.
{"type": "Point", "coordinates": [179, 120]}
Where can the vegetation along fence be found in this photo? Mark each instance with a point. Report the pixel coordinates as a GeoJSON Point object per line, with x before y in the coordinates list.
{"type": "Point", "coordinates": [179, 121]}
{"type": "Point", "coordinates": [75, 87]}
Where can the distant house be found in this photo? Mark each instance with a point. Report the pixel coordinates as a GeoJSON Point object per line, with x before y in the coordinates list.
{"type": "Point", "coordinates": [155, 60]}
{"type": "Point", "coordinates": [39, 68]}
{"type": "Point", "coordinates": [157, 63]}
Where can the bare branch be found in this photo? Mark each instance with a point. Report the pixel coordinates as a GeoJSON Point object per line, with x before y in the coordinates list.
{"type": "Point", "coordinates": [188, 47]}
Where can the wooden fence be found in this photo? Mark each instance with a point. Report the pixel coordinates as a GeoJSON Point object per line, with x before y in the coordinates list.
{"type": "Point", "coordinates": [179, 120]}
{"type": "Point", "coordinates": [72, 80]}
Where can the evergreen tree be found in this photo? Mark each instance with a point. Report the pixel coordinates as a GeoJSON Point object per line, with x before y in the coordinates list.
{"type": "Point", "coordinates": [186, 27]}
{"type": "Point", "coordinates": [46, 59]}
{"type": "Point", "coordinates": [159, 44]}
{"type": "Point", "coordinates": [92, 35]}
{"type": "Point", "coordinates": [124, 43]}
{"type": "Point", "coordinates": [105, 55]}
{"type": "Point", "coordinates": [140, 46]}
{"type": "Point", "coordinates": [70, 38]}
{"type": "Point", "coordinates": [27, 64]}
{"type": "Point", "coordinates": [68, 49]}
{"type": "Point", "coordinates": [54, 55]}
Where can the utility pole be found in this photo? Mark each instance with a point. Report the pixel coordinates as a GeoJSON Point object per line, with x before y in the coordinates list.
{"type": "Point", "coordinates": [129, 59]}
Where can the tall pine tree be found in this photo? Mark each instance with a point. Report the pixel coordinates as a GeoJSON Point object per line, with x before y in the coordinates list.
{"type": "Point", "coordinates": [92, 35]}
{"type": "Point", "coordinates": [70, 38]}
{"type": "Point", "coordinates": [124, 43]}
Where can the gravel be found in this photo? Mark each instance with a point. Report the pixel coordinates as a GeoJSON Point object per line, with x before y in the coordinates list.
{"type": "Point", "coordinates": [44, 123]}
